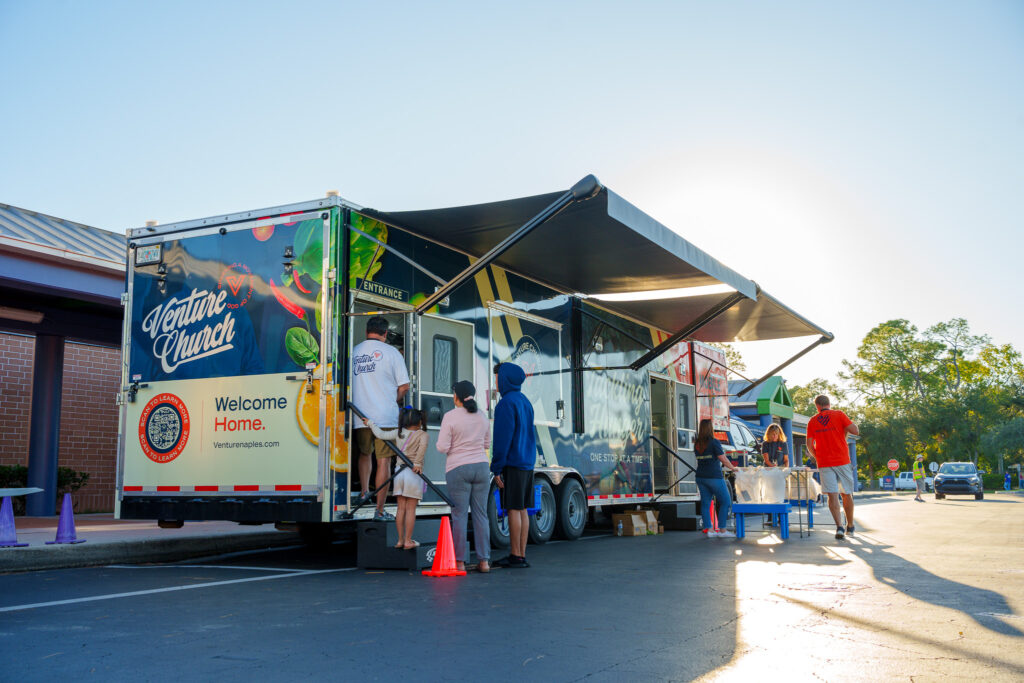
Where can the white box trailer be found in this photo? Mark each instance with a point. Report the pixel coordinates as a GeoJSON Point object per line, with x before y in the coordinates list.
{"type": "Point", "coordinates": [239, 332]}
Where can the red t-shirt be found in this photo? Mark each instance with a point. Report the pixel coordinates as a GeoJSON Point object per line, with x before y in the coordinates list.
{"type": "Point", "coordinates": [827, 430]}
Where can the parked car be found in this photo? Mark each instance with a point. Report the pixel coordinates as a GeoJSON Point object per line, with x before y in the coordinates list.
{"type": "Point", "coordinates": [742, 447]}
{"type": "Point", "coordinates": [958, 479]}
{"type": "Point", "coordinates": [905, 482]}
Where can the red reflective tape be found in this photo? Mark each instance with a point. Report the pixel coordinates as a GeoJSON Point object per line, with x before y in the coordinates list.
{"type": "Point", "coordinates": [207, 488]}
{"type": "Point", "coordinates": [248, 487]}
{"type": "Point", "coordinates": [132, 488]}
{"type": "Point", "coordinates": [168, 488]}
{"type": "Point", "coordinates": [287, 487]}
{"type": "Point", "coordinates": [617, 495]}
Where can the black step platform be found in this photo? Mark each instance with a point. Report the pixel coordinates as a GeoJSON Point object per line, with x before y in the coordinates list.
{"type": "Point", "coordinates": [680, 516]}
{"type": "Point", "coordinates": [375, 546]}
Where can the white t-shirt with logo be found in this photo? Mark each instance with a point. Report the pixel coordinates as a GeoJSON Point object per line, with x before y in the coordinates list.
{"type": "Point", "coordinates": [378, 369]}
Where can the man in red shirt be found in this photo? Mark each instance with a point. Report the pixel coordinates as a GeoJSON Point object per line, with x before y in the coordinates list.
{"type": "Point", "coordinates": [826, 442]}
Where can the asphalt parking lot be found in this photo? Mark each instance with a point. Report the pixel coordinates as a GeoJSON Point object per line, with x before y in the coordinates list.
{"type": "Point", "coordinates": [923, 591]}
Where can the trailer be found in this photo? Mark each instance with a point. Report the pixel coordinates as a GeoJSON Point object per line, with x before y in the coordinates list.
{"type": "Point", "coordinates": [239, 330]}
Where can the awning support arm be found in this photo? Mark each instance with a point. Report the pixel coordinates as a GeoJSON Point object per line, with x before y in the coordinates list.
{"type": "Point", "coordinates": [712, 313]}
{"type": "Point", "coordinates": [776, 370]}
{"type": "Point", "coordinates": [581, 191]}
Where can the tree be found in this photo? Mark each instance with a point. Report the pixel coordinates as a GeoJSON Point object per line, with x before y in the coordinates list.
{"type": "Point", "coordinates": [803, 395]}
{"type": "Point", "coordinates": [896, 365]}
{"type": "Point", "coordinates": [942, 391]}
{"type": "Point", "coordinates": [733, 358]}
{"type": "Point", "coordinates": [1006, 441]}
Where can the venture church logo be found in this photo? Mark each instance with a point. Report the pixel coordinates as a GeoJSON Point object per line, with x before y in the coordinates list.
{"type": "Point", "coordinates": [366, 362]}
{"type": "Point", "coordinates": [238, 278]}
{"type": "Point", "coordinates": [177, 338]}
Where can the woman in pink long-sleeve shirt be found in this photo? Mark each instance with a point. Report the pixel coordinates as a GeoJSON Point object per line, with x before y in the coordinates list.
{"type": "Point", "coordinates": [465, 437]}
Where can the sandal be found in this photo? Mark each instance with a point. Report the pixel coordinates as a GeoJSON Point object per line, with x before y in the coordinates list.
{"type": "Point", "coordinates": [483, 567]}
{"type": "Point", "coordinates": [415, 544]}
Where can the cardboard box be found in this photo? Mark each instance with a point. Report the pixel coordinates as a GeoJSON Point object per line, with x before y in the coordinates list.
{"type": "Point", "coordinates": [661, 528]}
{"type": "Point", "coordinates": [633, 524]}
{"type": "Point", "coordinates": [650, 518]}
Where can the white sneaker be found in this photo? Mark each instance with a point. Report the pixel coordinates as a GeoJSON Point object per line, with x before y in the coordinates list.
{"type": "Point", "coordinates": [713, 534]}
{"type": "Point", "coordinates": [725, 533]}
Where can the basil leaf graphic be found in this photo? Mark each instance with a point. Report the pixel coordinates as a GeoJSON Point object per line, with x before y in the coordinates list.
{"type": "Point", "coordinates": [301, 346]}
{"type": "Point", "coordinates": [364, 254]}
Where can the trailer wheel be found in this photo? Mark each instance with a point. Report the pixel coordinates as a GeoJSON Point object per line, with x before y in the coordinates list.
{"type": "Point", "coordinates": [572, 510]}
{"type": "Point", "coordinates": [499, 527]}
{"type": "Point", "coordinates": [542, 524]}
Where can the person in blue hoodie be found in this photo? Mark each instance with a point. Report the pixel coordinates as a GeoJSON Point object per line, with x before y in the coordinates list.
{"type": "Point", "coordinates": [513, 456]}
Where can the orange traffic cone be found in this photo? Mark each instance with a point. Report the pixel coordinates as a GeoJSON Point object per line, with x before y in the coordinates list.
{"type": "Point", "coordinates": [714, 515]}
{"type": "Point", "coordinates": [444, 555]}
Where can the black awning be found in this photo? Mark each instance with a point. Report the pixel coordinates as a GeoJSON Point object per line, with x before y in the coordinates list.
{"type": "Point", "coordinates": [605, 245]}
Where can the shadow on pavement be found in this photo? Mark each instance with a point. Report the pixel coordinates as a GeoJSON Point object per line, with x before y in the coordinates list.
{"type": "Point", "coordinates": [920, 584]}
{"type": "Point", "coordinates": [905, 633]}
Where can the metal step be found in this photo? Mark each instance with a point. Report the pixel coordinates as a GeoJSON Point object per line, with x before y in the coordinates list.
{"type": "Point", "coordinates": [678, 516]}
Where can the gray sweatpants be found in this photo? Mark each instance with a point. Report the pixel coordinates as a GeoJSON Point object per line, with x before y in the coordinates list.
{"type": "Point", "coordinates": [468, 486]}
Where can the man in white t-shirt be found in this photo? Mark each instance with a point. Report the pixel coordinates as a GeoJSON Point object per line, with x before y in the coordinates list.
{"type": "Point", "coordinates": [379, 381]}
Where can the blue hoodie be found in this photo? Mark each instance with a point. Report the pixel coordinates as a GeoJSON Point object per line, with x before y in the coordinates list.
{"type": "Point", "coordinates": [513, 444]}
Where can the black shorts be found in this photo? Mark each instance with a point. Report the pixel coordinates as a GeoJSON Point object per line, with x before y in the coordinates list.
{"type": "Point", "coordinates": [518, 491]}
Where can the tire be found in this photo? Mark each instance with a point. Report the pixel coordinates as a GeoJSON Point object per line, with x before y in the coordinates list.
{"type": "Point", "coordinates": [499, 527]}
{"type": "Point", "coordinates": [940, 496]}
{"type": "Point", "coordinates": [572, 510]}
{"type": "Point", "coordinates": [542, 524]}
{"type": "Point", "coordinates": [979, 496]}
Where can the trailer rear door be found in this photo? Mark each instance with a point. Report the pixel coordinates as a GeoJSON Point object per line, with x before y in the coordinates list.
{"type": "Point", "coordinates": [227, 393]}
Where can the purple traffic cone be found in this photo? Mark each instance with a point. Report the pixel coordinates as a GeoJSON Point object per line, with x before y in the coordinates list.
{"type": "Point", "coordinates": [8, 534]}
{"type": "Point", "coordinates": [66, 525]}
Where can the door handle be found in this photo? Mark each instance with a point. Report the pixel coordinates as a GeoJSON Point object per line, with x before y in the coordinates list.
{"type": "Point", "coordinates": [307, 378]}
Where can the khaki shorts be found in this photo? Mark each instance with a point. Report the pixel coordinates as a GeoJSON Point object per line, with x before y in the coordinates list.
{"type": "Point", "coordinates": [408, 484]}
{"type": "Point", "coordinates": [367, 443]}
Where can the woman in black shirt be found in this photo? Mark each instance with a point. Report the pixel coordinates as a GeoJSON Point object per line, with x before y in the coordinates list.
{"type": "Point", "coordinates": [774, 447]}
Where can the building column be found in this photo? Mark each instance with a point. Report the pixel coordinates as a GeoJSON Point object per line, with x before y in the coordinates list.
{"type": "Point", "coordinates": [44, 431]}
{"type": "Point", "coordinates": [764, 420]}
{"type": "Point", "coordinates": [795, 459]}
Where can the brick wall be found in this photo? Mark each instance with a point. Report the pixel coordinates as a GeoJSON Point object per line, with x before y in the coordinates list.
{"type": "Point", "coordinates": [16, 354]}
{"type": "Point", "coordinates": [88, 421]}
{"type": "Point", "coordinates": [88, 425]}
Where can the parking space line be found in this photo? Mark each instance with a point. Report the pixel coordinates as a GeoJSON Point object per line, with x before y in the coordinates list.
{"type": "Point", "coordinates": [153, 591]}
{"type": "Point", "coordinates": [197, 566]}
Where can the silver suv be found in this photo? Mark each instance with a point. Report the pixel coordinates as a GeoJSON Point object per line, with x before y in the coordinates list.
{"type": "Point", "coordinates": [958, 479]}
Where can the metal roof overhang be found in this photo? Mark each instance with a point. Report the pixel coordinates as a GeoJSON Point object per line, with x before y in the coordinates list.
{"type": "Point", "coordinates": [605, 245]}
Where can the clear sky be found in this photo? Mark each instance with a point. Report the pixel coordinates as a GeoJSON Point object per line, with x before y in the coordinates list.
{"type": "Point", "coordinates": [860, 161]}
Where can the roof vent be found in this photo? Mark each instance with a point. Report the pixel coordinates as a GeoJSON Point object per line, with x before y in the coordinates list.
{"type": "Point", "coordinates": [151, 225]}
{"type": "Point", "coordinates": [333, 193]}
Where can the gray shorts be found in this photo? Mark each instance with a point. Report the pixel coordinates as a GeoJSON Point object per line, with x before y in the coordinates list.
{"type": "Point", "coordinates": [920, 485]}
{"type": "Point", "coordinates": [832, 477]}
